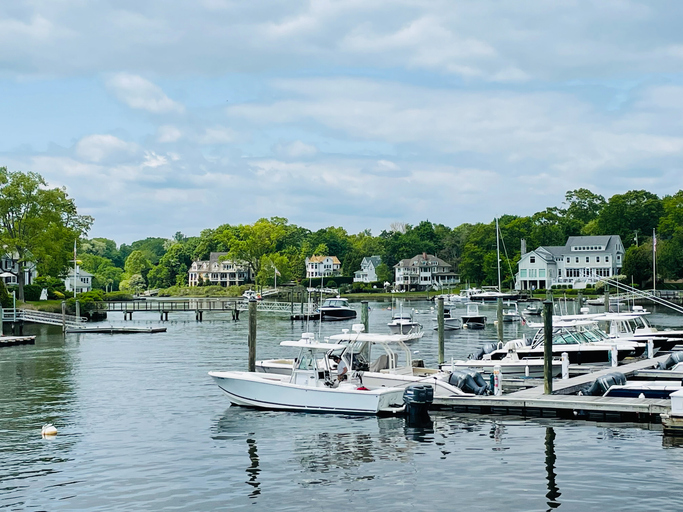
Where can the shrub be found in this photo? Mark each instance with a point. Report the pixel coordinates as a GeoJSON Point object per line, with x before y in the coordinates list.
{"type": "Point", "coordinates": [5, 297]}
{"type": "Point", "coordinates": [56, 295]}
{"type": "Point", "coordinates": [32, 292]}
{"type": "Point", "coordinates": [118, 296]}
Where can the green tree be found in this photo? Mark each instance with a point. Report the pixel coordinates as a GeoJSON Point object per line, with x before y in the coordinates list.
{"type": "Point", "coordinates": [384, 273]}
{"type": "Point", "coordinates": [638, 264]}
{"type": "Point", "coordinates": [137, 263]}
{"type": "Point", "coordinates": [636, 211]}
{"type": "Point", "coordinates": [37, 224]}
{"type": "Point", "coordinates": [583, 205]}
{"type": "Point", "coordinates": [249, 243]}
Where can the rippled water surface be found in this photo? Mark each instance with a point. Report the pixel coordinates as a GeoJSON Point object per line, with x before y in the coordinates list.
{"type": "Point", "coordinates": [142, 427]}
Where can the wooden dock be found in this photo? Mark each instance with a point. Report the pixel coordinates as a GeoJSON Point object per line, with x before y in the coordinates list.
{"type": "Point", "coordinates": [10, 341]}
{"type": "Point", "coordinates": [562, 403]}
{"type": "Point", "coordinates": [116, 330]}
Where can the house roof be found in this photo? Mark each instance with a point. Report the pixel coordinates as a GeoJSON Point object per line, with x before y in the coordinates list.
{"type": "Point", "coordinates": [320, 259]}
{"type": "Point", "coordinates": [375, 260]}
{"type": "Point", "coordinates": [418, 259]}
{"type": "Point", "coordinates": [81, 273]}
{"type": "Point", "coordinates": [214, 256]}
{"type": "Point", "coordinates": [606, 240]}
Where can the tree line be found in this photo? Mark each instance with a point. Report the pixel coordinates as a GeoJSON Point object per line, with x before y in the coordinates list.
{"type": "Point", "coordinates": [274, 244]}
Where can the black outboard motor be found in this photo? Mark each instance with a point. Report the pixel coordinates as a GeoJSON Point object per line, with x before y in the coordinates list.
{"type": "Point", "coordinates": [486, 349]}
{"type": "Point", "coordinates": [418, 398]}
{"type": "Point", "coordinates": [469, 381]}
{"type": "Point", "coordinates": [671, 361]}
{"type": "Point", "coordinates": [600, 386]}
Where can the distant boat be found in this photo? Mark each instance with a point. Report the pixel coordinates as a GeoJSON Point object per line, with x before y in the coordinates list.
{"type": "Point", "coordinates": [251, 295]}
{"type": "Point", "coordinates": [336, 309]}
{"type": "Point", "coordinates": [472, 319]}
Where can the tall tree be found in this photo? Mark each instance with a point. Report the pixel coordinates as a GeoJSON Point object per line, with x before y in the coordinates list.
{"type": "Point", "coordinates": [249, 243]}
{"type": "Point", "coordinates": [636, 211]}
{"type": "Point", "coordinates": [37, 222]}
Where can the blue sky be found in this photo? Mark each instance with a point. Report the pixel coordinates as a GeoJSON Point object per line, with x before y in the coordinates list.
{"type": "Point", "coordinates": [164, 116]}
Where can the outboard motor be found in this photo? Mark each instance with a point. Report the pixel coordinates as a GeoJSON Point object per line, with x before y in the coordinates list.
{"type": "Point", "coordinates": [600, 386]}
{"type": "Point", "coordinates": [469, 381]}
{"type": "Point", "coordinates": [671, 361]}
{"type": "Point", "coordinates": [418, 398]}
{"type": "Point", "coordinates": [486, 349]}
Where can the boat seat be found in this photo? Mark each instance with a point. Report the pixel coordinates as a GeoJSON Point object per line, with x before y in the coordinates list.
{"type": "Point", "coordinates": [382, 363]}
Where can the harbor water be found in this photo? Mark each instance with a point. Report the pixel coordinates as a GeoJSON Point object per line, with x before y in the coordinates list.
{"type": "Point", "coordinates": [142, 427]}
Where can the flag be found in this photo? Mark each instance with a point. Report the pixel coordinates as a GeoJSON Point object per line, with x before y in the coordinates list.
{"type": "Point", "coordinates": [654, 241]}
{"type": "Point", "coordinates": [277, 272]}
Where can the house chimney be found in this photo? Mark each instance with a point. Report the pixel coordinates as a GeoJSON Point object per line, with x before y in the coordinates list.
{"type": "Point", "coordinates": [523, 242]}
{"type": "Point", "coordinates": [424, 256]}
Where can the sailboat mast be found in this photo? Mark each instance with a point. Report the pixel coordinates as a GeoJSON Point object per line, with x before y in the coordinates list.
{"type": "Point", "coordinates": [498, 254]}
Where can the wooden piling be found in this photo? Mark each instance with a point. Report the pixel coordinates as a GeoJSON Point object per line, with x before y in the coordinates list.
{"type": "Point", "coordinates": [440, 324]}
{"type": "Point", "coordinates": [548, 347]}
{"type": "Point", "coordinates": [499, 318]}
{"type": "Point", "coordinates": [606, 298]}
{"type": "Point", "coordinates": [64, 316]}
{"type": "Point", "coordinates": [365, 316]}
{"type": "Point", "coordinates": [252, 335]}
{"type": "Point", "coordinates": [579, 301]}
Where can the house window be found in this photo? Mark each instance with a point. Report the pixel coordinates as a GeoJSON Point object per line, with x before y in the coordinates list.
{"type": "Point", "coordinates": [532, 272]}
{"type": "Point", "coordinates": [588, 259]}
{"type": "Point", "coordinates": [559, 272]}
{"type": "Point", "coordinates": [618, 257]}
{"type": "Point", "coordinates": [541, 272]}
{"type": "Point", "coordinates": [532, 259]}
{"type": "Point", "coordinates": [606, 259]}
{"type": "Point", "coordinates": [567, 259]}
{"type": "Point", "coordinates": [597, 259]}
{"type": "Point", "coordinates": [522, 273]}
{"type": "Point", "coordinates": [577, 259]}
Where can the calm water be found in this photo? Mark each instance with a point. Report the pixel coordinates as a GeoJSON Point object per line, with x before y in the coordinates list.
{"type": "Point", "coordinates": [142, 427]}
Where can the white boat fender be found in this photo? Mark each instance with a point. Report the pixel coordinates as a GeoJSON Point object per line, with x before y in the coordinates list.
{"type": "Point", "coordinates": [49, 430]}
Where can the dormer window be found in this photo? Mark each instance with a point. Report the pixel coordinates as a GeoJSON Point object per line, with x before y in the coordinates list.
{"type": "Point", "coordinates": [532, 259]}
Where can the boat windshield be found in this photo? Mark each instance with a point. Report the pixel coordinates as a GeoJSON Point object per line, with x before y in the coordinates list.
{"type": "Point", "coordinates": [334, 303]}
{"type": "Point", "coordinates": [308, 360]}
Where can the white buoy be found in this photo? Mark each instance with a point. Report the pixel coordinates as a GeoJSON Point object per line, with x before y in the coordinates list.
{"type": "Point", "coordinates": [497, 387]}
{"type": "Point", "coordinates": [565, 366]}
{"type": "Point", "coordinates": [49, 430]}
{"type": "Point", "coordinates": [650, 349]}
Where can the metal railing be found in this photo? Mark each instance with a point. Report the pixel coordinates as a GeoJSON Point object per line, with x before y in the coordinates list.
{"type": "Point", "coordinates": [41, 317]}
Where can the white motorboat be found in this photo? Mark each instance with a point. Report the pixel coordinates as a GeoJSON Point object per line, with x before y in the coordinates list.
{"type": "Point", "coordinates": [630, 325]}
{"type": "Point", "coordinates": [511, 313]}
{"type": "Point", "coordinates": [403, 323]}
{"type": "Point", "coordinates": [379, 360]}
{"type": "Point", "coordinates": [450, 322]}
{"type": "Point", "coordinates": [308, 387]}
{"type": "Point", "coordinates": [472, 319]}
{"type": "Point", "coordinates": [583, 341]}
{"type": "Point", "coordinates": [251, 295]}
{"type": "Point", "coordinates": [375, 360]}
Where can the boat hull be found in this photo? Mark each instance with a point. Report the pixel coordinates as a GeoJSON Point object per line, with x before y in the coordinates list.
{"type": "Point", "coordinates": [273, 392]}
{"type": "Point", "coordinates": [334, 314]}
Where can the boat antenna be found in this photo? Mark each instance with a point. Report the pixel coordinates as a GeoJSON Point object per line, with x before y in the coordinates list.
{"type": "Point", "coordinates": [502, 241]}
{"type": "Point", "coordinates": [320, 320]}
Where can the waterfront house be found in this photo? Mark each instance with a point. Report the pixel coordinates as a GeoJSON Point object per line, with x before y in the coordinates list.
{"type": "Point", "coordinates": [423, 272]}
{"type": "Point", "coordinates": [220, 273]}
{"type": "Point", "coordinates": [368, 270]}
{"type": "Point", "coordinates": [582, 261]}
{"type": "Point", "coordinates": [82, 281]}
{"type": "Point", "coordinates": [322, 266]}
{"type": "Point", "coordinates": [9, 267]}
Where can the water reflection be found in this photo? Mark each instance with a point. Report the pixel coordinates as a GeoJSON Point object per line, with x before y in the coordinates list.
{"type": "Point", "coordinates": [553, 490]}
{"type": "Point", "coordinates": [253, 470]}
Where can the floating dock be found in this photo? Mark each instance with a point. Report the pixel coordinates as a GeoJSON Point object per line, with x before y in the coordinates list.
{"type": "Point", "coordinates": [10, 341]}
{"type": "Point", "coordinates": [562, 403]}
{"type": "Point", "coordinates": [116, 330]}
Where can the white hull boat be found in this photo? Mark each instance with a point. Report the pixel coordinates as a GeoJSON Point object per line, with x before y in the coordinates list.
{"type": "Point", "coordinates": [309, 387]}
{"type": "Point", "coordinates": [267, 391]}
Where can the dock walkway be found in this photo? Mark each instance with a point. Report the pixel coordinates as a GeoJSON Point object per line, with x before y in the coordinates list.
{"type": "Point", "coordinates": [533, 401]}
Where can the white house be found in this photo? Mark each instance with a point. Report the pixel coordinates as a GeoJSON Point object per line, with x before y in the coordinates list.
{"type": "Point", "coordinates": [368, 270]}
{"type": "Point", "coordinates": [9, 269]}
{"type": "Point", "coordinates": [582, 260]}
{"type": "Point", "coordinates": [322, 266]}
{"type": "Point", "coordinates": [424, 271]}
{"type": "Point", "coordinates": [83, 281]}
{"type": "Point", "coordinates": [222, 273]}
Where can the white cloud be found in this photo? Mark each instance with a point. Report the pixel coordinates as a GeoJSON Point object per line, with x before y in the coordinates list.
{"type": "Point", "coordinates": [139, 93]}
{"type": "Point", "coordinates": [168, 133]}
{"type": "Point", "coordinates": [98, 148]}
{"type": "Point", "coordinates": [217, 135]}
{"type": "Point", "coordinates": [296, 149]}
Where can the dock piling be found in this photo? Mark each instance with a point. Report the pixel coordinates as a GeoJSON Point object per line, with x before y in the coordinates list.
{"type": "Point", "coordinates": [440, 323]}
{"type": "Point", "coordinates": [548, 347]}
{"type": "Point", "coordinates": [252, 335]}
{"type": "Point", "coordinates": [650, 348]}
{"type": "Point", "coordinates": [64, 316]}
{"type": "Point", "coordinates": [365, 315]}
{"type": "Point", "coordinates": [497, 380]}
{"type": "Point", "coordinates": [606, 298]}
{"type": "Point", "coordinates": [565, 366]}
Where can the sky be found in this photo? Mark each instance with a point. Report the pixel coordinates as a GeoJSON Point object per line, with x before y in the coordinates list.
{"type": "Point", "coordinates": [161, 116]}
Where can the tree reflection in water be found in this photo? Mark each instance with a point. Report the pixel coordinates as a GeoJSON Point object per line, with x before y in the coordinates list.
{"type": "Point", "coordinates": [553, 490]}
